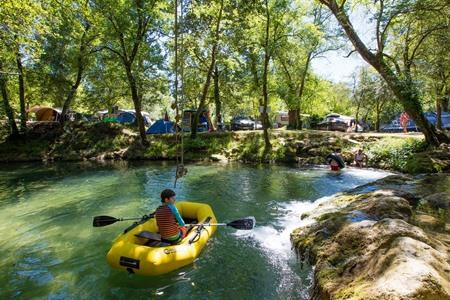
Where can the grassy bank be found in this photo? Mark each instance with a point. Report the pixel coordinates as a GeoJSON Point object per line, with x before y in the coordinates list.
{"type": "Point", "coordinates": [100, 141]}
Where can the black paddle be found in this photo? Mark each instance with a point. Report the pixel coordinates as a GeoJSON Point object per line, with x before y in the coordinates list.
{"type": "Point", "coordinates": [241, 224]}
{"type": "Point", "coordinates": [101, 221]}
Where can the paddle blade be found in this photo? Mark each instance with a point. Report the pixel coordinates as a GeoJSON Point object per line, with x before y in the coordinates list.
{"type": "Point", "coordinates": [243, 224]}
{"type": "Point", "coordinates": [100, 221]}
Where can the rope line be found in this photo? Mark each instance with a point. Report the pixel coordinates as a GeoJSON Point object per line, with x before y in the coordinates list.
{"type": "Point", "coordinates": [180, 170]}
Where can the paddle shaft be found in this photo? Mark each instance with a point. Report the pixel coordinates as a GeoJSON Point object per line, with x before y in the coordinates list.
{"type": "Point", "coordinates": [100, 221]}
{"type": "Point", "coordinates": [208, 224]}
{"type": "Point", "coordinates": [128, 219]}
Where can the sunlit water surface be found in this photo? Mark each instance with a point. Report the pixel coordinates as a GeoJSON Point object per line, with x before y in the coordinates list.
{"type": "Point", "coordinates": [50, 249]}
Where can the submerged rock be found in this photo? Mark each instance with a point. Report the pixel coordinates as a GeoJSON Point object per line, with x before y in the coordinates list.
{"type": "Point", "coordinates": [368, 247]}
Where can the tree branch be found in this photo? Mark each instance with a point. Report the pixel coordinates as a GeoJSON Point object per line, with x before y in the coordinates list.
{"type": "Point", "coordinates": [379, 36]}
{"type": "Point", "coordinates": [350, 53]}
{"type": "Point", "coordinates": [113, 51]}
{"type": "Point", "coordinates": [391, 59]}
{"type": "Point", "coordinates": [423, 37]}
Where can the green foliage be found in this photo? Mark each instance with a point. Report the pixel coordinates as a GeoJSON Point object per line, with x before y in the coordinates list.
{"type": "Point", "coordinates": [161, 149]}
{"type": "Point", "coordinates": [394, 153]}
{"type": "Point", "coordinates": [118, 51]}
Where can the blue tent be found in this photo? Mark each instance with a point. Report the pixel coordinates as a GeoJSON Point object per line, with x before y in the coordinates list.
{"type": "Point", "coordinates": [126, 117]}
{"type": "Point", "coordinates": [161, 126]}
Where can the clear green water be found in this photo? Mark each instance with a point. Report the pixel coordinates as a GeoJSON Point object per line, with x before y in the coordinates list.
{"type": "Point", "coordinates": [51, 251]}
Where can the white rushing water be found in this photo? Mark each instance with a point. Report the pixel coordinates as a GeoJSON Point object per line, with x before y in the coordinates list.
{"type": "Point", "coordinates": [274, 239]}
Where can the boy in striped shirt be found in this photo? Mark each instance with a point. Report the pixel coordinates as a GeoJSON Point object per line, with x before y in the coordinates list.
{"type": "Point", "coordinates": [170, 223]}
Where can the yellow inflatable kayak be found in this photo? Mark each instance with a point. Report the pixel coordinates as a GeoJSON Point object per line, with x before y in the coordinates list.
{"type": "Point", "coordinates": [134, 252]}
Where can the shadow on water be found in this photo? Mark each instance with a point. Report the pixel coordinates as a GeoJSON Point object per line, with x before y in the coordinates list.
{"type": "Point", "coordinates": [54, 252]}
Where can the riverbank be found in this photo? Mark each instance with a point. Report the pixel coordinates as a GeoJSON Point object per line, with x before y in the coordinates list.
{"type": "Point", "coordinates": [109, 141]}
{"type": "Point", "coordinates": [386, 240]}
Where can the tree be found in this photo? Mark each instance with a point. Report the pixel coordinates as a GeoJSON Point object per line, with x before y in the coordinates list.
{"type": "Point", "coordinates": [271, 40]}
{"type": "Point", "coordinates": [19, 27]}
{"type": "Point", "coordinates": [306, 41]}
{"type": "Point", "coordinates": [127, 26]}
{"type": "Point", "coordinates": [433, 70]}
{"type": "Point", "coordinates": [210, 70]}
{"type": "Point", "coordinates": [7, 106]}
{"type": "Point", "coordinates": [373, 95]}
{"type": "Point", "coordinates": [80, 24]}
{"type": "Point", "coordinates": [389, 16]}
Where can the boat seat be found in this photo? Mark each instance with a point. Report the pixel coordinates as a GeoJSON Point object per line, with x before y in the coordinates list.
{"type": "Point", "coordinates": [153, 239]}
{"type": "Point", "coordinates": [149, 235]}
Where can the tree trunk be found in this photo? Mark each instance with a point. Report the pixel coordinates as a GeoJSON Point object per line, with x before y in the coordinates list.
{"type": "Point", "coordinates": [253, 69]}
{"type": "Point", "coordinates": [74, 87]}
{"type": "Point", "coordinates": [358, 107]}
{"type": "Point", "coordinates": [8, 109]}
{"type": "Point", "coordinates": [23, 111]}
{"type": "Point", "coordinates": [302, 89]}
{"type": "Point", "coordinates": [377, 120]}
{"type": "Point", "coordinates": [294, 119]}
{"type": "Point", "coordinates": [408, 96]}
{"type": "Point", "coordinates": [70, 96]}
{"type": "Point", "coordinates": [404, 90]}
{"type": "Point", "coordinates": [444, 103]}
{"type": "Point", "coordinates": [137, 104]}
{"type": "Point", "coordinates": [264, 115]}
{"type": "Point", "coordinates": [202, 103]}
{"type": "Point", "coordinates": [217, 98]}
{"type": "Point", "coordinates": [438, 114]}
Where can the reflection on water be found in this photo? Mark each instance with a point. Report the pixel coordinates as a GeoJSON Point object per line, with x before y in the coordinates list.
{"type": "Point", "coordinates": [54, 252]}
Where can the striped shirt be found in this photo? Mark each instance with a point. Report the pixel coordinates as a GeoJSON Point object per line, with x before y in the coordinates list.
{"type": "Point", "coordinates": [169, 221]}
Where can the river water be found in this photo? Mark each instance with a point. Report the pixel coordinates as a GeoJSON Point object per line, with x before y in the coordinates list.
{"type": "Point", "coordinates": [51, 251]}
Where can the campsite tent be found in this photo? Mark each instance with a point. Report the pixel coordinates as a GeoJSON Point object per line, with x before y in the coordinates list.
{"type": "Point", "coordinates": [129, 116]}
{"type": "Point", "coordinates": [124, 116]}
{"type": "Point", "coordinates": [46, 113]}
{"type": "Point", "coordinates": [161, 126]}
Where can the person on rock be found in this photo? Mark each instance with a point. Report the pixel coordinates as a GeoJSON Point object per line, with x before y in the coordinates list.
{"type": "Point", "coordinates": [360, 159]}
{"type": "Point", "coordinates": [170, 223]}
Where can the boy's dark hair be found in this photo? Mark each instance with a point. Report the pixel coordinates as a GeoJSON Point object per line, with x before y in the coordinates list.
{"type": "Point", "coordinates": [167, 193]}
{"type": "Point", "coordinates": [338, 150]}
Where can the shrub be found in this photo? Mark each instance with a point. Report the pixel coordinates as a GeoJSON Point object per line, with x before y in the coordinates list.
{"type": "Point", "coordinates": [394, 153]}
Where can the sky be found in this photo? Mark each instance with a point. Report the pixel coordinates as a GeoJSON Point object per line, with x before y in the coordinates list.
{"type": "Point", "coordinates": [335, 66]}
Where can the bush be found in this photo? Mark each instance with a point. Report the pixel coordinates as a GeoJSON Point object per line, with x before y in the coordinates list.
{"type": "Point", "coordinates": [394, 153]}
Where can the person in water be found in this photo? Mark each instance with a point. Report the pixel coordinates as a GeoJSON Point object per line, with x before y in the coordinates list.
{"type": "Point", "coordinates": [335, 160]}
{"type": "Point", "coordinates": [360, 159]}
{"type": "Point", "coordinates": [170, 223]}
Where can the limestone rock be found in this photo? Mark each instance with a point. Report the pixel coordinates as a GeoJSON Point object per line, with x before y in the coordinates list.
{"type": "Point", "coordinates": [367, 249]}
{"type": "Point", "coordinates": [409, 269]}
{"type": "Point", "coordinates": [384, 204]}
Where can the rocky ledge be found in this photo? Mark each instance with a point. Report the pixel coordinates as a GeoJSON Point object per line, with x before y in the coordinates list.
{"type": "Point", "coordinates": [386, 240]}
